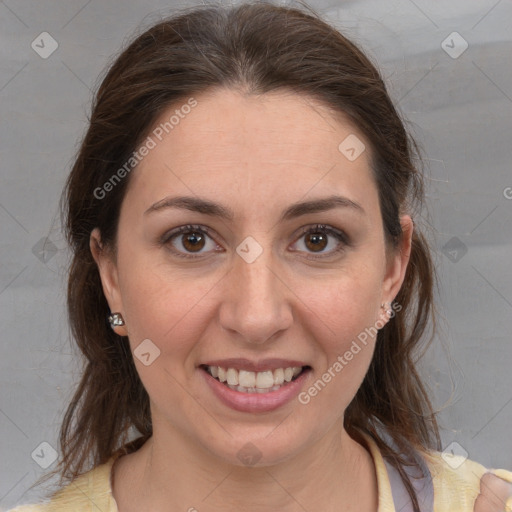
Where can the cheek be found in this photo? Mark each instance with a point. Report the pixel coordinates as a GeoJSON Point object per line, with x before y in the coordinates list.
{"type": "Point", "coordinates": [343, 321]}
{"type": "Point", "coordinates": [163, 310]}
{"type": "Point", "coordinates": [171, 316]}
{"type": "Point", "coordinates": [352, 333]}
{"type": "Point", "coordinates": [171, 310]}
{"type": "Point", "coordinates": [345, 330]}
{"type": "Point", "coordinates": [345, 305]}
{"type": "Point", "coordinates": [154, 297]}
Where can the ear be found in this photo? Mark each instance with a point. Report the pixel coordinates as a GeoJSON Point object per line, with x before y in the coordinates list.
{"type": "Point", "coordinates": [109, 276]}
{"type": "Point", "coordinates": [397, 261]}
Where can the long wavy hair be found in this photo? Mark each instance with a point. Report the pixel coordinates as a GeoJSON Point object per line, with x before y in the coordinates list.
{"type": "Point", "coordinates": [257, 47]}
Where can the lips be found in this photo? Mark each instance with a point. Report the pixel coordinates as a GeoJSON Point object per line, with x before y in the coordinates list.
{"type": "Point", "coordinates": [255, 386]}
{"type": "Point", "coordinates": [255, 400]}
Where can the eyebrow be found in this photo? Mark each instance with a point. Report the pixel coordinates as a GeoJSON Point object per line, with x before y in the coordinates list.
{"type": "Point", "coordinates": [206, 207]}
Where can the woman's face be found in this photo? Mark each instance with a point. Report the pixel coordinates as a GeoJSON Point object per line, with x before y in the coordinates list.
{"type": "Point", "coordinates": [256, 294]}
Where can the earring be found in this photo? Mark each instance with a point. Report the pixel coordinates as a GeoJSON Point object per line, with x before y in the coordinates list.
{"type": "Point", "coordinates": [389, 311]}
{"type": "Point", "coordinates": [116, 320]}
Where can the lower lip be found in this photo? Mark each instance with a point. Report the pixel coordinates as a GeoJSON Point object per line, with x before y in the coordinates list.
{"type": "Point", "coordinates": [256, 402]}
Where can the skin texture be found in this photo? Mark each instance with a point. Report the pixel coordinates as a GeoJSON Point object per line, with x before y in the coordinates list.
{"type": "Point", "coordinates": [495, 494]}
{"type": "Point", "coordinates": [255, 155]}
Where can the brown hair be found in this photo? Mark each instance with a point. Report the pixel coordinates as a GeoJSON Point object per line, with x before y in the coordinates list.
{"type": "Point", "coordinates": [256, 47]}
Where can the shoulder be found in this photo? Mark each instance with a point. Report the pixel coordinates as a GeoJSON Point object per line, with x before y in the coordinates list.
{"type": "Point", "coordinates": [466, 485]}
{"type": "Point", "coordinates": [92, 488]}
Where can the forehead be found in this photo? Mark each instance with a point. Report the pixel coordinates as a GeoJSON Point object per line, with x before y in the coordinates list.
{"type": "Point", "coordinates": [279, 146]}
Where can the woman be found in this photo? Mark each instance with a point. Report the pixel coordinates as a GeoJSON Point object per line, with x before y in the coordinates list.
{"type": "Point", "coordinates": [240, 211]}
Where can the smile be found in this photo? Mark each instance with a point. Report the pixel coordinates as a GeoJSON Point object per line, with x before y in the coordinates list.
{"type": "Point", "coordinates": [246, 381]}
{"type": "Point", "coordinates": [250, 391]}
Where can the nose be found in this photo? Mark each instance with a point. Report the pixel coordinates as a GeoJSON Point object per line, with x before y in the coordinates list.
{"type": "Point", "coordinates": [256, 301]}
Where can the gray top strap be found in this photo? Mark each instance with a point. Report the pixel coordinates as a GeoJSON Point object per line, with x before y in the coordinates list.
{"type": "Point", "coordinates": [422, 484]}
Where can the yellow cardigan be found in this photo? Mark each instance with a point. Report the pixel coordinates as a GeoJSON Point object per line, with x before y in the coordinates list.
{"type": "Point", "coordinates": [455, 490]}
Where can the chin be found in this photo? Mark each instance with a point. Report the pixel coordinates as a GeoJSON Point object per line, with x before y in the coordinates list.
{"type": "Point", "coordinates": [258, 446]}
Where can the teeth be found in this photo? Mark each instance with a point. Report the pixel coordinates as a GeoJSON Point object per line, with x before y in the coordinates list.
{"type": "Point", "coordinates": [288, 374]}
{"type": "Point", "coordinates": [254, 382]}
{"type": "Point", "coordinates": [278, 376]}
{"type": "Point", "coordinates": [232, 376]}
{"type": "Point", "coordinates": [243, 389]}
{"type": "Point", "coordinates": [246, 379]}
{"type": "Point", "coordinates": [264, 380]}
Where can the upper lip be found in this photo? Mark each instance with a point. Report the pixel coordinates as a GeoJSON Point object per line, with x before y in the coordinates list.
{"type": "Point", "coordinates": [262, 365]}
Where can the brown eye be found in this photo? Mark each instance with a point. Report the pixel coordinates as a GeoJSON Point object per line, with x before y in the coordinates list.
{"type": "Point", "coordinates": [316, 241]}
{"type": "Point", "coordinates": [190, 241]}
{"type": "Point", "coordinates": [323, 240]}
{"type": "Point", "coordinates": [194, 241]}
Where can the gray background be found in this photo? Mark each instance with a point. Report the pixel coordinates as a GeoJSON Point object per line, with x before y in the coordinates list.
{"type": "Point", "coordinates": [459, 108]}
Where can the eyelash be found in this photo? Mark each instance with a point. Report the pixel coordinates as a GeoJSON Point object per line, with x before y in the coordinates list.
{"type": "Point", "coordinates": [317, 228]}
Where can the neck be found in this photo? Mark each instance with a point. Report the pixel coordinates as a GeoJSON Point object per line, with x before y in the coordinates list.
{"type": "Point", "coordinates": [172, 473]}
